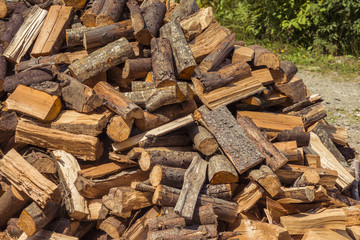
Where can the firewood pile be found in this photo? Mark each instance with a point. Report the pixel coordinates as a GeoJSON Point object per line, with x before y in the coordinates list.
{"type": "Point", "coordinates": [148, 120]}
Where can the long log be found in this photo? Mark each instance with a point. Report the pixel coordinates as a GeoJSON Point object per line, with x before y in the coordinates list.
{"type": "Point", "coordinates": [153, 15]}
{"type": "Point", "coordinates": [141, 32]}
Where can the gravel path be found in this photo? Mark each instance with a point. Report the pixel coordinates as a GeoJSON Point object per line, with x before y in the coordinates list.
{"type": "Point", "coordinates": [341, 101]}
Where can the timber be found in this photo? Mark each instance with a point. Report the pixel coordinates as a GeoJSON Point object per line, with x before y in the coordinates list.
{"type": "Point", "coordinates": [295, 89]}
{"type": "Point", "coordinates": [164, 96]}
{"type": "Point", "coordinates": [196, 23]}
{"type": "Point", "coordinates": [203, 141]}
{"type": "Point", "coordinates": [110, 13]}
{"type": "Point", "coordinates": [113, 227]}
{"type": "Point", "coordinates": [75, 36]}
{"type": "Point", "coordinates": [267, 179]}
{"type": "Point", "coordinates": [90, 14]}
{"type": "Point", "coordinates": [153, 15]}
{"type": "Point", "coordinates": [181, 11]}
{"type": "Point", "coordinates": [243, 54]}
{"type": "Point", "coordinates": [220, 170]}
{"type": "Point", "coordinates": [263, 57]}
{"type": "Point", "coordinates": [104, 170]}
{"type": "Point", "coordinates": [136, 68]}
{"type": "Point", "coordinates": [141, 32]}
{"type": "Point", "coordinates": [119, 129]}
{"type": "Point", "coordinates": [248, 197]}
{"type": "Point", "coordinates": [172, 177]}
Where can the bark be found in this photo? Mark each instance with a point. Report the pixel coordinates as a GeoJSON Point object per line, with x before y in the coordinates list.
{"type": "Point", "coordinates": [153, 16]}
{"type": "Point", "coordinates": [267, 179]}
{"type": "Point", "coordinates": [164, 96]}
{"type": "Point", "coordinates": [3, 68]}
{"type": "Point", "coordinates": [297, 134]}
{"type": "Point", "coordinates": [203, 141]}
{"type": "Point", "coordinates": [75, 36]}
{"type": "Point", "coordinates": [197, 22]}
{"type": "Point", "coordinates": [184, 9]}
{"type": "Point", "coordinates": [221, 170]}
{"type": "Point", "coordinates": [170, 176]}
{"type": "Point", "coordinates": [136, 68]}
{"type": "Point", "coordinates": [110, 12]}
{"type": "Point", "coordinates": [141, 32]}
{"type": "Point", "coordinates": [113, 227]}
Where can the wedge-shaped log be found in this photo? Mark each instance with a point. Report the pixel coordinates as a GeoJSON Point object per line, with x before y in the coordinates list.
{"type": "Point", "coordinates": [197, 22]}
{"type": "Point", "coordinates": [26, 35]}
{"type": "Point", "coordinates": [85, 147]}
{"type": "Point", "coordinates": [164, 96]}
{"type": "Point", "coordinates": [24, 177]}
{"type": "Point", "coordinates": [102, 59]}
{"type": "Point", "coordinates": [267, 179]}
{"type": "Point", "coordinates": [295, 89]}
{"type": "Point", "coordinates": [52, 33]}
{"type": "Point", "coordinates": [264, 57]}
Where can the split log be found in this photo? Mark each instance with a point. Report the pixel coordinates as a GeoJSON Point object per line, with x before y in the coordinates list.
{"type": "Point", "coordinates": [52, 88]}
{"type": "Point", "coordinates": [119, 129]}
{"type": "Point", "coordinates": [45, 234]}
{"type": "Point", "coordinates": [113, 227]}
{"type": "Point", "coordinates": [96, 188]}
{"type": "Point", "coordinates": [337, 134]}
{"type": "Point", "coordinates": [87, 148]}
{"type": "Point", "coordinates": [75, 36]}
{"type": "Point", "coordinates": [162, 62]}
{"type": "Point", "coordinates": [110, 12]}
{"type": "Point", "coordinates": [141, 32]}
{"type": "Point", "coordinates": [8, 122]}
{"type": "Point", "coordinates": [3, 68]}
{"type": "Point", "coordinates": [225, 210]}
{"type": "Point", "coordinates": [309, 178]}
{"type": "Point", "coordinates": [184, 59]}
{"type": "Point", "coordinates": [193, 232]}
{"type": "Point", "coordinates": [79, 123]}
{"type": "Point", "coordinates": [33, 218]}
{"type": "Point", "coordinates": [11, 202]}
{"type": "Point", "coordinates": [140, 97]}
{"type": "Point", "coordinates": [164, 96]}
{"type": "Point", "coordinates": [267, 179]}
{"type": "Point", "coordinates": [104, 170]}
{"type": "Point", "coordinates": [68, 168]}
{"type": "Point", "coordinates": [264, 57]}
{"type": "Point", "coordinates": [136, 68]}
{"type": "Point", "coordinates": [286, 72]}
{"type": "Point", "coordinates": [232, 138]}
{"type": "Point", "coordinates": [288, 149]}
{"type": "Point", "coordinates": [203, 141]}
{"type": "Point", "coordinates": [197, 22]}
{"type": "Point", "coordinates": [90, 14]}
{"type": "Point", "coordinates": [274, 158]}
{"type": "Point", "coordinates": [24, 177]}
{"type": "Point", "coordinates": [324, 234]}
{"type": "Point", "coordinates": [26, 35]}
{"type": "Point", "coordinates": [100, 36]}
{"type": "Point", "coordinates": [296, 195]}
{"type": "Point", "coordinates": [312, 160]}
{"type": "Point", "coordinates": [304, 103]}
{"type": "Point", "coordinates": [169, 221]}
{"type": "Point", "coordinates": [295, 89]}
{"type": "Point", "coordinates": [122, 200]}
{"type": "Point", "coordinates": [102, 59]}
{"type": "Point", "coordinates": [31, 76]}
{"type": "Point", "coordinates": [153, 15]}
{"type": "Point", "coordinates": [181, 11]}
{"type": "Point", "coordinates": [207, 41]}
{"type": "Point", "coordinates": [170, 140]}
{"type": "Point", "coordinates": [311, 114]}
{"type": "Point", "coordinates": [242, 54]}
{"type": "Point", "coordinates": [52, 33]}
{"type": "Point", "coordinates": [354, 232]}
{"type": "Point", "coordinates": [77, 4]}
{"type": "Point", "coordinates": [264, 76]}
{"type": "Point", "coordinates": [117, 102]}
{"type": "Point", "coordinates": [96, 210]}
{"type": "Point", "coordinates": [297, 134]}
{"type": "Point", "coordinates": [172, 177]}
{"type": "Point", "coordinates": [225, 75]}
{"type": "Point", "coordinates": [248, 197]}
{"type": "Point", "coordinates": [222, 191]}
{"type": "Point", "coordinates": [221, 171]}
{"type": "Point", "coordinates": [78, 96]}
{"type": "Point", "coordinates": [217, 56]}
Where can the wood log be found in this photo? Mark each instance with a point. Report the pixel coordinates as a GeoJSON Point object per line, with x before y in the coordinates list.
{"type": "Point", "coordinates": [194, 232]}
{"type": "Point", "coordinates": [263, 75]}
{"type": "Point", "coordinates": [312, 160]}
{"type": "Point", "coordinates": [267, 179]}
{"type": "Point", "coordinates": [8, 122]}
{"type": "Point", "coordinates": [141, 32]}
{"type": "Point", "coordinates": [79, 123]}
{"type": "Point", "coordinates": [166, 222]}
{"type": "Point", "coordinates": [113, 227]}
{"type": "Point", "coordinates": [354, 232]}
{"type": "Point", "coordinates": [296, 195]}
{"type": "Point", "coordinates": [96, 188]}
{"type": "Point", "coordinates": [100, 36]}
{"type": "Point", "coordinates": [222, 191]}
{"type": "Point", "coordinates": [217, 56]}
{"type": "Point", "coordinates": [26, 35]}
{"type": "Point", "coordinates": [170, 140]}
{"type": "Point", "coordinates": [110, 13]}
{"type": "Point", "coordinates": [153, 15]}
{"type": "Point", "coordinates": [242, 54]}
{"type": "Point", "coordinates": [136, 68]}
{"type": "Point", "coordinates": [145, 138]}
{"type": "Point", "coordinates": [104, 170]}
{"type": "Point", "coordinates": [221, 170]}
{"type": "Point", "coordinates": [164, 96]}
{"type": "Point", "coordinates": [78, 96]}
{"type": "Point", "coordinates": [184, 59]}
{"type": "Point", "coordinates": [195, 174]}
{"type": "Point", "coordinates": [172, 177]}
{"type": "Point", "coordinates": [140, 97]}
{"type": "Point", "coordinates": [96, 210]}
{"type": "Point", "coordinates": [52, 33]}
{"type": "Point", "coordinates": [288, 149]}
{"type": "Point", "coordinates": [33, 218]}
{"type": "Point", "coordinates": [297, 134]}
{"type": "Point", "coordinates": [162, 62]}
{"type": "Point", "coordinates": [232, 138]}
{"type": "Point", "coordinates": [299, 223]}
{"type": "Point", "coordinates": [31, 182]}
{"type": "Point", "coordinates": [286, 72]}
{"type": "Point", "coordinates": [225, 210]}
{"type": "Point", "coordinates": [274, 158]}
{"type": "Point", "coordinates": [324, 234]}
{"type": "Point", "coordinates": [3, 68]}
{"type": "Point", "coordinates": [119, 129]}
{"type": "Point", "coordinates": [45, 234]}
{"type": "Point", "coordinates": [122, 200]}
{"type": "Point", "coordinates": [27, 78]}
{"type": "Point", "coordinates": [309, 178]}
{"type": "Point", "coordinates": [181, 11]}
{"type": "Point", "coordinates": [304, 103]}
{"type": "Point", "coordinates": [52, 88]}
{"type": "Point", "coordinates": [248, 197]}
{"type": "Point", "coordinates": [77, 4]}
{"type": "Point", "coordinates": [203, 141]}
{"type": "Point", "coordinates": [75, 36]}
{"type": "Point", "coordinates": [196, 23]}
{"type": "Point", "coordinates": [68, 168]}
{"type": "Point", "coordinates": [337, 134]}
{"type": "Point", "coordinates": [264, 57]}
{"type": "Point", "coordinates": [12, 229]}
{"type": "Point", "coordinates": [328, 161]}
{"type": "Point", "coordinates": [225, 75]}
{"type": "Point", "coordinates": [87, 148]}
{"type": "Point", "coordinates": [102, 59]}
{"type": "Point", "coordinates": [12, 26]}
{"type": "Point", "coordinates": [311, 114]}
{"type": "Point", "coordinates": [295, 89]}
{"type": "Point", "coordinates": [11, 202]}
{"type": "Point", "coordinates": [90, 14]}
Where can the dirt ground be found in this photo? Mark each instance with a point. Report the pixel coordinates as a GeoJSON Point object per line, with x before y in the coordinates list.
{"type": "Point", "coordinates": [341, 101]}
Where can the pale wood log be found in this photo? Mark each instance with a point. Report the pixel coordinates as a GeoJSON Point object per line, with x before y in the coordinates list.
{"type": "Point", "coordinates": [52, 33]}
{"type": "Point", "coordinates": [297, 134]}
{"type": "Point", "coordinates": [184, 59]}
{"type": "Point", "coordinates": [324, 234]}
{"type": "Point", "coordinates": [286, 72]}
{"type": "Point", "coordinates": [182, 10]}
{"type": "Point", "coordinates": [296, 195]}
{"type": "Point", "coordinates": [110, 12]}
{"type": "Point", "coordinates": [96, 188]}
{"type": "Point", "coordinates": [90, 14]}
{"type": "Point", "coordinates": [136, 68]}
{"type": "Point", "coordinates": [267, 179]}
{"type": "Point", "coordinates": [196, 23]}
{"type": "Point", "coordinates": [312, 160]}
{"type": "Point", "coordinates": [26, 35]}
{"type": "Point", "coordinates": [153, 15]}
{"type": "Point", "coordinates": [100, 36]}
{"type": "Point", "coordinates": [24, 177]}
{"type": "Point", "coordinates": [309, 178]}
{"type": "Point", "coordinates": [102, 59]}
{"type": "Point", "coordinates": [68, 168]}
{"type": "Point", "coordinates": [104, 170]}
{"type": "Point", "coordinates": [295, 89]}
{"type": "Point", "coordinates": [33, 218]}
{"type": "Point", "coordinates": [232, 138]}
{"type": "Point", "coordinates": [113, 227]}
{"type": "Point", "coordinates": [140, 97]}
{"type": "Point", "coordinates": [288, 149]}
{"type": "Point", "coordinates": [172, 177]}
{"type": "Point", "coordinates": [264, 57]}
{"type": "Point", "coordinates": [203, 141]}
{"type": "Point", "coordinates": [163, 72]}
{"type": "Point", "coordinates": [96, 210]}
{"type": "Point", "coordinates": [45, 234]}
{"type": "Point", "coordinates": [11, 202]}
{"type": "Point", "coordinates": [328, 161]}
{"type": "Point", "coordinates": [117, 102]}
{"type": "Point", "coordinates": [304, 103]}
{"type": "Point", "coordinates": [143, 138]}
{"type": "Point", "coordinates": [263, 75]}
{"type": "Point", "coordinates": [248, 197]}
{"type": "Point", "coordinates": [338, 135]}
{"type": "Point", "coordinates": [193, 232]}
{"type": "Point", "coordinates": [221, 170]}
{"type": "Point", "coordinates": [119, 129]}
{"type": "Point", "coordinates": [122, 200]}
{"type": "Point", "coordinates": [164, 96]}
{"type": "Point", "coordinates": [242, 53]}
{"type": "Point", "coordinates": [85, 147]}
{"type": "Point", "coordinates": [75, 36]}
{"type": "Point", "coordinates": [330, 219]}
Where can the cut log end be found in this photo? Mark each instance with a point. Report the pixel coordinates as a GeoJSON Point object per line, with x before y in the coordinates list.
{"type": "Point", "coordinates": [187, 73]}
{"type": "Point", "coordinates": [155, 175]}
{"type": "Point", "coordinates": [208, 146]}
{"type": "Point", "coordinates": [144, 162]}
{"type": "Point", "coordinates": [268, 59]}
{"type": "Point", "coordinates": [103, 20]}
{"type": "Point", "coordinates": [225, 176]}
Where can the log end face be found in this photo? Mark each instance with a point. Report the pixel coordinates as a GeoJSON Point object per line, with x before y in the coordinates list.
{"type": "Point", "coordinates": [224, 178]}
{"type": "Point", "coordinates": [145, 162]}
{"type": "Point", "coordinates": [156, 175]}
{"type": "Point", "coordinates": [269, 59]}
{"type": "Point", "coordinates": [208, 146]}
{"type": "Point", "coordinates": [55, 110]}
{"type": "Point", "coordinates": [103, 20]}
{"type": "Point", "coordinates": [88, 19]}
{"type": "Point", "coordinates": [186, 73]}
{"type": "Point", "coordinates": [26, 223]}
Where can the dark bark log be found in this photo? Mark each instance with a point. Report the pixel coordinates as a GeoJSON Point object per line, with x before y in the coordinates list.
{"type": "Point", "coordinates": [110, 12]}
{"type": "Point", "coordinates": [141, 32]}
{"type": "Point", "coordinates": [3, 68]}
{"type": "Point", "coordinates": [295, 89]}
{"type": "Point", "coordinates": [163, 97]}
{"type": "Point", "coordinates": [153, 16]}
{"type": "Point", "coordinates": [8, 122]}
{"type": "Point", "coordinates": [75, 36]}
{"type": "Point", "coordinates": [94, 8]}
{"type": "Point", "coordinates": [136, 68]}
{"type": "Point", "coordinates": [172, 140]}
{"type": "Point", "coordinates": [302, 138]}
{"type": "Point", "coordinates": [289, 69]}
{"type": "Point", "coordinates": [299, 105]}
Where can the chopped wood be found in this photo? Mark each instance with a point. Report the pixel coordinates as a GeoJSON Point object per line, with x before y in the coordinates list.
{"type": "Point", "coordinates": [119, 129]}
{"type": "Point", "coordinates": [324, 234]}
{"type": "Point", "coordinates": [220, 170]}
{"type": "Point", "coordinates": [263, 75]}
{"type": "Point", "coordinates": [267, 179]}
{"type": "Point", "coordinates": [8, 122]}
{"type": "Point", "coordinates": [153, 15]}
{"type": "Point", "coordinates": [197, 22]}
{"type": "Point", "coordinates": [295, 89]}
{"type": "Point", "coordinates": [75, 36]}
{"type": "Point", "coordinates": [136, 68]}
{"type": "Point", "coordinates": [164, 96]}
{"type": "Point", "coordinates": [311, 114]}
{"type": "Point", "coordinates": [3, 68]}
{"type": "Point", "coordinates": [286, 72]}
{"type": "Point", "coordinates": [104, 170]}
{"type": "Point", "coordinates": [296, 134]}
{"type": "Point", "coordinates": [110, 13]}
{"type": "Point", "coordinates": [288, 149]}
{"type": "Point", "coordinates": [248, 197]}
{"type": "Point", "coordinates": [182, 10]}
{"type": "Point", "coordinates": [304, 103]}
{"type": "Point", "coordinates": [172, 177]}
{"type": "Point", "coordinates": [194, 232]}
{"type": "Point", "coordinates": [242, 54]}
{"type": "Point", "coordinates": [93, 9]}
{"type": "Point", "coordinates": [203, 141]}
{"type": "Point", "coordinates": [96, 210]}
{"type": "Point", "coordinates": [338, 135]}
{"type": "Point", "coordinates": [6, 8]}
{"type": "Point", "coordinates": [264, 57]}
{"type": "Point", "coordinates": [45, 234]}
{"type": "Point", "coordinates": [113, 227]}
